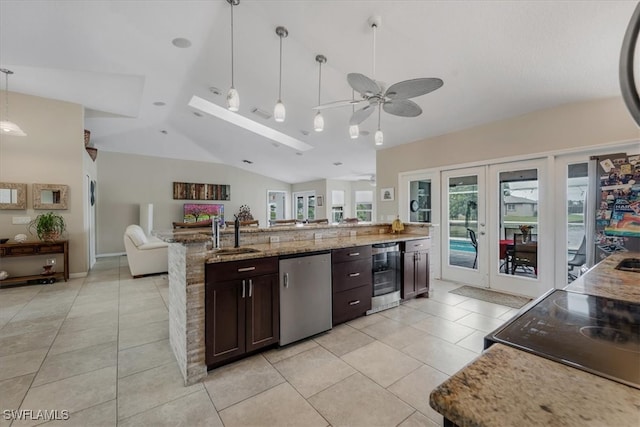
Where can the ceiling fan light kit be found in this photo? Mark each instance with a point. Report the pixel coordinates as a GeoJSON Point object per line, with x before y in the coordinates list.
{"type": "Point", "coordinates": [318, 120]}
{"type": "Point", "coordinates": [354, 131]}
{"type": "Point", "coordinates": [233, 98]}
{"type": "Point", "coordinates": [279, 112]}
{"type": "Point", "coordinates": [6, 126]}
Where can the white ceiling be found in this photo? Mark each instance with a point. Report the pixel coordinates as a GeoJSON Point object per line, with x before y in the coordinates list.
{"type": "Point", "coordinates": [498, 59]}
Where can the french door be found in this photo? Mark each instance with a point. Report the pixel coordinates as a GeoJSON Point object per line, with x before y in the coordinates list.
{"type": "Point", "coordinates": [484, 213]}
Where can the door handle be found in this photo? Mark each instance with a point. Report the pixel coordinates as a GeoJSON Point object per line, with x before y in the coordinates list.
{"type": "Point", "coordinates": [285, 279]}
{"type": "Point", "coordinates": [250, 287]}
{"type": "Point", "coordinates": [354, 274]}
{"type": "Point", "coordinates": [243, 289]}
{"type": "Point", "coordinates": [356, 302]}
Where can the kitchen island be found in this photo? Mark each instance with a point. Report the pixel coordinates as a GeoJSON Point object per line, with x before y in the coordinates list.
{"type": "Point", "coordinates": [190, 251]}
{"type": "Point", "coordinates": [505, 386]}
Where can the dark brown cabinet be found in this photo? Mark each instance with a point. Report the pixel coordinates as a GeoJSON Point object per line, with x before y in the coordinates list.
{"type": "Point", "coordinates": [351, 283]}
{"type": "Point", "coordinates": [241, 308]}
{"type": "Point", "coordinates": [415, 273]}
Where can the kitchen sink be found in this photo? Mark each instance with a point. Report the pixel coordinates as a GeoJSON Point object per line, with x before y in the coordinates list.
{"type": "Point", "coordinates": [629, 264]}
{"type": "Point", "coordinates": [234, 251]}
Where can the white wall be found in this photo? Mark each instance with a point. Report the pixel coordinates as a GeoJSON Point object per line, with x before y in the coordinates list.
{"type": "Point", "coordinates": [51, 153]}
{"type": "Point", "coordinates": [125, 181]}
{"type": "Point", "coordinates": [570, 126]}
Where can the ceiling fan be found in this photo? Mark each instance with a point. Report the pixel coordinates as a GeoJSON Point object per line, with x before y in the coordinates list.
{"type": "Point", "coordinates": [393, 100]}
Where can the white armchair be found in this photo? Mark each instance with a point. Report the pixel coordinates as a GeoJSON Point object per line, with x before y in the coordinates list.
{"type": "Point", "coordinates": [146, 255]}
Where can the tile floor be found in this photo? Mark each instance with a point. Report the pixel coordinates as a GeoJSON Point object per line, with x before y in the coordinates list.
{"type": "Point", "coordinates": [98, 348]}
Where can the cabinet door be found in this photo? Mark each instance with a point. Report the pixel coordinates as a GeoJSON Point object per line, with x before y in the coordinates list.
{"type": "Point", "coordinates": [409, 275]}
{"type": "Point", "coordinates": [422, 272]}
{"type": "Point", "coordinates": [263, 311]}
{"type": "Point", "coordinates": [224, 320]}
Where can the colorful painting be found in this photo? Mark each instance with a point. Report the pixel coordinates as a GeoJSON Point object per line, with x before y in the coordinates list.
{"type": "Point", "coordinates": [195, 212]}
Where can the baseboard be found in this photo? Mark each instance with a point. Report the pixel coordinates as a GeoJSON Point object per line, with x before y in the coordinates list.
{"type": "Point", "coordinates": [77, 275]}
{"type": "Point", "coordinates": [111, 254]}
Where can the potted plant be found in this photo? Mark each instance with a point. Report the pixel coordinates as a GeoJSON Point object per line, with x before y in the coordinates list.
{"type": "Point", "coordinates": [48, 226]}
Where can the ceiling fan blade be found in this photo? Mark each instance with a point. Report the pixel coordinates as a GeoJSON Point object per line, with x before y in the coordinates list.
{"type": "Point", "coordinates": [363, 84]}
{"type": "Point", "coordinates": [412, 88]}
{"type": "Point", "coordinates": [402, 107]}
{"type": "Point", "coordinates": [362, 114]}
{"type": "Point", "coordinates": [342, 103]}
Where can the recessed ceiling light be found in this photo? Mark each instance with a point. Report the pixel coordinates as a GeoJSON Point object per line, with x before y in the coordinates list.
{"type": "Point", "coordinates": [298, 154]}
{"type": "Point", "coordinates": [214, 90]}
{"type": "Point", "coordinates": [275, 144]}
{"type": "Point", "coordinates": [197, 113]}
{"type": "Point", "coordinates": [337, 164]}
{"type": "Point", "coordinates": [249, 162]}
{"type": "Point", "coordinates": [159, 104]}
{"type": "Point", "coordinates": [182, 43]}
{"type": "Point", "coordinates": [164, 131]}
{"type": "Point", "coordinates": [304, 132]}
{"type": "Point", "coordinates": [261, 113]}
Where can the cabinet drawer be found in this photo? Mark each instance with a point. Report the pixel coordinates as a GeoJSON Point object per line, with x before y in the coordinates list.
{"type": "Point", "coordinates": [349, 275]}
{"type": "Point", "coordinates": [51, 249]}
{"type": "Point", "coordinates": [233, 270]}
{"type": "Point", "coordinates": [21, 250]}
{"type": "Point", "coordinates": [351, 254]}
{"type": "Point", "coordinates": [350, 304]}
{"type": "Point", "coordinates": [417, 245]}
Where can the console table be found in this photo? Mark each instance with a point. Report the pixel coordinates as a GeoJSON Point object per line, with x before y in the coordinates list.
{"type": "Point", "coordinates": [23, 249]}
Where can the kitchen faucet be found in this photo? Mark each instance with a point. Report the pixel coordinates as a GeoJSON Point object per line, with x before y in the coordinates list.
{"type": "Point", "coordinates": [236, 225]}
{"type": "Point", "coordinates": [216, 233]}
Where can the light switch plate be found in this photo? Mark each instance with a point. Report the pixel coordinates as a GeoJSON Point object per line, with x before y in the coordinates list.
{"type": "Point", "coordinates": [274, 239]}
{"type": "Point", "coordinates": [20, 220]}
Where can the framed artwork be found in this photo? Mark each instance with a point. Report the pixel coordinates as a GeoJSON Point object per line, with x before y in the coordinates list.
{"type": "Point", "coordinates": [320, 201]}
{"type": "Point", "coordinates": [191, 191]}
{"type": "Point", "coordinates": [387, 194]}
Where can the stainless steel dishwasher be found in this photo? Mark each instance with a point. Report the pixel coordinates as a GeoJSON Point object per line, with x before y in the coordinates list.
{"type": "Point", "coordinates": [305, 296]}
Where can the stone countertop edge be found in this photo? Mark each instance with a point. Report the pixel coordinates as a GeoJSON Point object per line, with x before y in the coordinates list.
{"type": "Point", "coordinates": [309, 246]}
{"type": "Point", "coordinates": [507, 386]}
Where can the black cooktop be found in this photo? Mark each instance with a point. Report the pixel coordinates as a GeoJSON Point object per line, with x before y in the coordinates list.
{"type": "Point", "coordinates": [596, 334]}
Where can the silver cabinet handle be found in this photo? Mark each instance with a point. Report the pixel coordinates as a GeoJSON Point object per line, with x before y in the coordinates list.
{"type": "Point", "coordinates": [356, 302]}
{"type": "Point", "coordinates": [243, 289]}
{"type": "Point", "coordinates": [419, 245]}
{"type": "Point", "coordinates": [242, 270]}
{"type": "Point", "coordinates": [354, 254]}
{"type": "Point", "coordinates": [286, 280]}
{"type": "Point", "coordinates": [354, 274]}
{"type": "Point", "coordinates": [250, 287]}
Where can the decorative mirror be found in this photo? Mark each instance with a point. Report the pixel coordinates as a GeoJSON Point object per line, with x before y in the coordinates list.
{"type": "Point", "coordinates": [13, 196]}
{"type": "Point", "coordinates": [50, 196]}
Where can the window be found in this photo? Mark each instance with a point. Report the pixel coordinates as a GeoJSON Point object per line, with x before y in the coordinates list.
{"type": "Point", "coordinates": [337, 214]}
{"type": "Point", "coordinates": [364, 205]}
{"type": "Point", "coordinates": [305, 205]}
{"type": "Point", "coordinates": [337, 206]}
{"type": "Point", "coordinates": [511, 207]}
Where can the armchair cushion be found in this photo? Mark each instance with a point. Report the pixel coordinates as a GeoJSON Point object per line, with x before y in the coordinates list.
{"type": "Point", "coordinates": [136, 234]}
{"type": "Point", "coordinates": [145, 255]}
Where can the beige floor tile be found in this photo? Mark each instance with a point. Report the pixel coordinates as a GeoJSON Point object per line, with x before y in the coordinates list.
{"type": "Point", "coordinates": [447, 298]}
{"type": "Point", "coordinates": [481, 322]}
{"type": "Point", "coordinates": [383, 328]}
{"type": "Point", "coordinates": [42, 309]}
{"type": "Point", "coordinates": [12, 391]}
{"type": "Point", "coordinates": [403, 338]}
{"type": "Point", "coordinates": [440, 354]}
{"type": "Point", "coordinates": [193, 410]}
{"type": "Point", "coordinates": [439, 309]}
{"type": "Point", "coordinates": [93, 308]}
{"type": "Point", "coordinates": [342, 339]}
{"type": "Point", "coordinates": [102, 415]}
{"type": "Point", "coordinates": [313, 371]}
{"type": "Point", "coordinates": [76, 340]}
{"type": "Point", "coordinates": [147, 333]}
{"type": "Point", "coordinates": [142, 304]}
{"type": "Point", "coordinates": [143, 317]}
{"type": "Point", "coordinates": [278, 406]}
{"type": "Point", "coordinates": [414, 389]}
{"type": "Point", "coordinates": [381, 363]}
{"type": "Point", "coordinates": [160, 385]}
{"type": "Point", "coordinates": [474, 342]}
{"type": "Point", "coordinates": [277, 354]}
{"type": "Point", "coordinates": [65, 365]}
{"type": "Point", "coordinates": [483, 307]}
{"type": "Point", "coordinates": [73, 394]}
{"type": "Point", "coordinates": [364, 321]}
{"type": "Point", "coordinates": [509, 314]}
{"type": "Point", "coordinates": [445, 329]}
{"type": "Point", "coordinates": [27, 341]}
{"type": "Point", "coordinates": [358, 401]}
{"type": "Point", "coordinates": [19, 364]}
{"type": "Point", "coordinates": [143, 357]}
{"type": "Point", "coordinates": [404, 314]}
{"type": "Point", "coordinates": [90, 321]}
{"type": "Point", "coordinates": [243, 379]}
{"type": "Point", "coordinates": [418, 420]}
{"type": "Point", "coordinates": [96, 297]}
{"type": "Point", "coordinates": [31, 326]}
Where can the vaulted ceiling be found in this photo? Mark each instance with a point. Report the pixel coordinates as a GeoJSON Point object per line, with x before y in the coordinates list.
{"type": "Point", "coordinates": [498, 59]}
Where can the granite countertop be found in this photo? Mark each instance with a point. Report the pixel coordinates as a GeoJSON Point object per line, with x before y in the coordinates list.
{"type": "Point", "coordinates": [307, 246]}
{"type": "Point", "coordinates": [507, 386]}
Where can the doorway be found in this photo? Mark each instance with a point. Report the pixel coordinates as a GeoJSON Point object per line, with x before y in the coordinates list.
{"type": "Point", "coordinates": [276, 205]}
{"type": "Point", "coordinates": [304, 205]}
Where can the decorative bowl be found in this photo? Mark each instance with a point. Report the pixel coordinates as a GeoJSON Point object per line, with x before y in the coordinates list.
{"type": "Point", "coordinates": [3, 241]}
{"type": "Point", "coordinates": [20, 238]}
{"type": "Point", "coordinates": [3, 275]}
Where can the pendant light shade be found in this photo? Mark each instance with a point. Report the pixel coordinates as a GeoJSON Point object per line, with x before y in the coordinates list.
{"type": "Point", "coordinates": [279, 112]}
{"type": "Point", "coordinates": [233, 98]}
{"type": "Point", "coordinates": [7, 127]}
{"type": "Point", "coordinates": [318, 120]}
{"type": "Point", "coordinates": [354, 131]}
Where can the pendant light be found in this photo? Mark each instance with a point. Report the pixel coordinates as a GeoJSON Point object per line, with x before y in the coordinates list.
{"type": "Point", "coordinates": [354, 130]}
{"type": "Point", "coordinates": [379, 137]}
{"type": "Point", "coordinates": [279, 111]}
{"type": "Point", "coordinates": [6, 126]}
{"type": "Point", "coordinates": [318, 120]}
{"type": "Point", "coordinates": [233, 98]}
